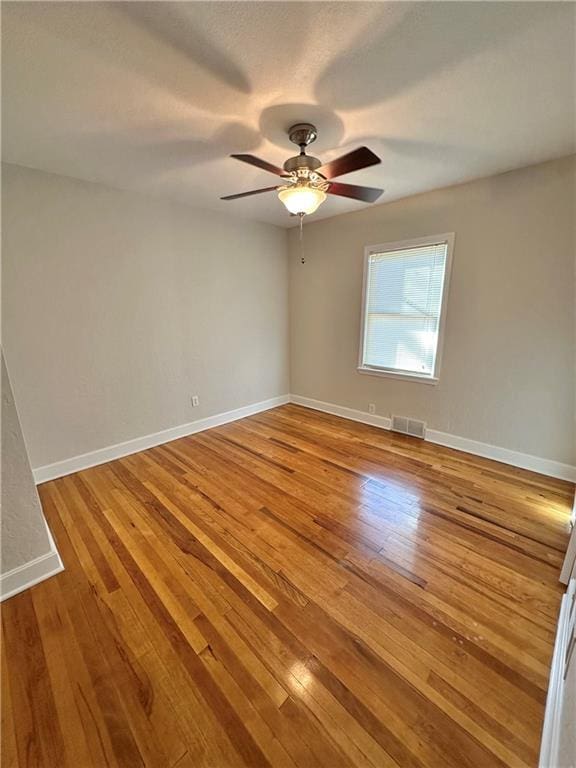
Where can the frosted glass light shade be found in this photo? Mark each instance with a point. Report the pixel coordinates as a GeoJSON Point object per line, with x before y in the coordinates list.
{"type": "Point", "coordinates": [301, 199]}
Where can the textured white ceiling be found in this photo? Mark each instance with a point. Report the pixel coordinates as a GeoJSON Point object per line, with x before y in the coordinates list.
{"type": "Point", "coordinates": [155, 96]}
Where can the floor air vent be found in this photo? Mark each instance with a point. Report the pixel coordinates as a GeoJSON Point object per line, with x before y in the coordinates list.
{"type": "Point", "coordinates": [409, 426]}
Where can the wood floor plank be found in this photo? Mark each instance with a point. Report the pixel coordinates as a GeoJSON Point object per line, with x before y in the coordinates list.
{"type": "Point", "coordinates": [8, 748]}
{"type": "Point", "coordinates": [41, 741]}
{"type": "Point", "coordinates": [180, 703]}
{"type": "Point", "coordinates": [292, 590]}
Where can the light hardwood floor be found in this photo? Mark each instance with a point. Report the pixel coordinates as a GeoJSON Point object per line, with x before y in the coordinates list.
{"type": "Point", "coordinates": [289, 590]}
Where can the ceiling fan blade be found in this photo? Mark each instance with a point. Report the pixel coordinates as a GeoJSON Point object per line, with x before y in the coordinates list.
{"type": "Point", "coordinates": [366, 194]}
{"type": "Point", "coordinates": [253, 160]}
{"type": "Point", "coordinates": [247, 194]}
{"type": "Point", "coordinates": [353, 161]}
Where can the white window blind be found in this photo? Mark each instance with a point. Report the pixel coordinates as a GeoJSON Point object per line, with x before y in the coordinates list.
{"type": "Point", "coordinates": [402, 308]}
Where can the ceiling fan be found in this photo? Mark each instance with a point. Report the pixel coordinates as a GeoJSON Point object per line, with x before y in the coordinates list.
{"type": "Point", "coordinates": [306, 181]}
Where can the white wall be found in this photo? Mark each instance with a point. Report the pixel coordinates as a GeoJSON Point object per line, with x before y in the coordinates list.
{"type": "Point", "coordinates": [507, 375]}
{"type": "Point", "coordinates": [117, 308]}
{"type": "Point", "coordinates": [24, 532]}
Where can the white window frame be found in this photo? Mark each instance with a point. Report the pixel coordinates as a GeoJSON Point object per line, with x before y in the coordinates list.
{"type": "Point", "coordinates": [369, 250]}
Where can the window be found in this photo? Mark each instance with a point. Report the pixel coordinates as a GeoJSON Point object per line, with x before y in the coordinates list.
{"type": "Point", "coordinates": [404, 307]}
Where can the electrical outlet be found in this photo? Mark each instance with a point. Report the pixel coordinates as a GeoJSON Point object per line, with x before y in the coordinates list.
{"type": "Point", "coordinates": [371, 408]}
{"type": "Point", "coordinates": [195, 401]}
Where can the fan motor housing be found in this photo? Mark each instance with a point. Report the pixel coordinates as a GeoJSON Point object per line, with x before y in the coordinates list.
{"type": "Point", "coordinates": [302, 161]}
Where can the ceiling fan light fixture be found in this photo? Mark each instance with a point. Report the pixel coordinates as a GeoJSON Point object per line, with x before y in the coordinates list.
{"type": "Point", "coordinates": [302, 199]}
{"type": "Point", "coordinates": [306, 181]}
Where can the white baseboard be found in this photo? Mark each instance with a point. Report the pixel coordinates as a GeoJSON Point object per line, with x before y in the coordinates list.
{"type": "Point", "coordinates": [339, 410]}
{"type": "Point", "coordinates": [505, 455]}
{"type": "Point", "coordinates": [33, 572]}
{"type": "Point", "coordinates": [103, 455]}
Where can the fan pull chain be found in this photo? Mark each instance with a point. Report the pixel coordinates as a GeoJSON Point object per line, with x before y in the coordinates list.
{"type": "Point", "coordinates": [302, 259]}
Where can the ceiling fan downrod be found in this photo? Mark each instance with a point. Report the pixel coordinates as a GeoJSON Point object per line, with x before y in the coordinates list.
{"type": "Point", "coordinates": [302, 134]}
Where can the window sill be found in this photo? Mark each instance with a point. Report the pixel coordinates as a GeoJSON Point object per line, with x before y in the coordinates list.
{"type": "Point", "coordinates": [397, 375]}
